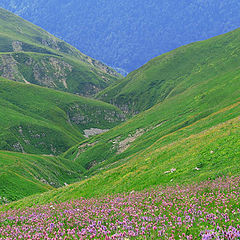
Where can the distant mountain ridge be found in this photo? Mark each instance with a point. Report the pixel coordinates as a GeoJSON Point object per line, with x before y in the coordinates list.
{"type": "Point", "coordinates": [127, 34]}
{"type": "Point", "coordinates": [31, 55]}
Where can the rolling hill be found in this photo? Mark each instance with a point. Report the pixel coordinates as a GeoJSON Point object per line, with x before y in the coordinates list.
{"type": "Point", "coordinates": [45, 121]}
{"type": "Point", "coordinates": [206, 155]}
{"type": "Point", "coordinates": [72, 167]}
{"type": "Point", "coordinates": [22, 175]}
{"type": "Point", "coordinates": [40, 120]}
{"type": "Point", "coordinates": [190, 135]}
{"type": "Point", "coordinates": [175, 72]}
{"type": "Point", "coordinates": [29, 54]}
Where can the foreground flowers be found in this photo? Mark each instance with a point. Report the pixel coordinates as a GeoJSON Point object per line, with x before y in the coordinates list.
{"type": "Point", "coordinates": [209, 210]}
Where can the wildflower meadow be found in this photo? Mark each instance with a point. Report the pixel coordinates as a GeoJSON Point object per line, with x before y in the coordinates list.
{"type": "Point", "coordinates": [208, 210]}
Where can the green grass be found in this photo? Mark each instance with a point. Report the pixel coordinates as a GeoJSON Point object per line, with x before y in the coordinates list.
{"type": "Point", "coordinates": [191, 127]}
{"type": "Point", "coordinates": [44, 121]}
{"type": "Point", "coordinates": [195, 131]}
{"type": "Point", "coordinates": [22, 175]}
{"type": "Point", "coordinates": [38, 120]}
{"type": "Point", "coordinates": [173, 73]}
{"type": "Point", "coordinates": [40, 58]}
{"type": "Point", "coordinates": [194, 108]}
{"type": "Point", "coordinates": [215, 152]}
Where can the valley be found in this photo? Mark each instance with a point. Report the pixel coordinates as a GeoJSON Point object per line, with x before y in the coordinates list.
{"type": "Point", "coordinates": [156, 152]}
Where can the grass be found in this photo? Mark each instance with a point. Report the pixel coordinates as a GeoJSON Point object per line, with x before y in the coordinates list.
{"type": "Point", "coordinates": [194, 130]}
{"type": "Point", "coordinates": [195, 110]}
{"type": "Point", "coordinates": [208, 210]}
{"type": "Point", "coordinates": [190, 133]}
{"type": "Point", "coordinates": [209, 154]}
{"type": "Point", "coordinates": [173, 73]}
{"type": "Point", "coordinates": [36, 56]}
{"type": "Point", "coordinates": [43, 121]}
{"type": "Point", "coordinates": [22, 175]}
{"type": "Point", "coordinates": [38, 120]}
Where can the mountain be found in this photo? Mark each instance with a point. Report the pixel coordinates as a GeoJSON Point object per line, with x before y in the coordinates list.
{"type": "Point", "coordinates": [45, 121]}
{"type": "Point", "coordinates": [174, 73]}
{"type": "Point", "coordinates": [206, 155]}
{"type": "Point", "coordinates": [127, 34]}
{"type": "Point", "coordinates": [191, 135]}
{"type": "Point", "coordinates": [31, 55]}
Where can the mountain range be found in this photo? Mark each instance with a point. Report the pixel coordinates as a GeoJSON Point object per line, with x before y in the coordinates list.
{"type": "Point", "coordinates": [127, 34]}
{"type": "Point", "coordinates": [172, 122]}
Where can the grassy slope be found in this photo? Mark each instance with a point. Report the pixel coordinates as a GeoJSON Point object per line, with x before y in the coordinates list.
{"type": "Point", "coordinates": [45, 121]}
{"type": "Point", "coordinates": [22, 175]}
{"type": "Point", "coordinates": [174, 72]}
{"type": "Point", "coordinates": [215, 152]}
{"type": "Point", "coordinates": [205, 95]}
{"type": "Point", "coordinates": [30, 53]}
{"type": "Point", "coordinates": [195, 131]}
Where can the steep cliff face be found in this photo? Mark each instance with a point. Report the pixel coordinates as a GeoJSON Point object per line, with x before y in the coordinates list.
{"type": "Point", "coordinates": [31, 55]}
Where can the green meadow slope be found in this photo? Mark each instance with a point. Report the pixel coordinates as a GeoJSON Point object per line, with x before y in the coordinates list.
{"type": "Point", "coordinates": [31, 55]}
{"type": "Point", "coordinates": [45, 121]}
{"type": "Point", "coordinates": [22, 175]}
{"type": "Point", "coordinates": [191, 135]}
{"type": "Point", "coordinates": [173, 73]}
{"type": "Point", "coordinates": [204, 155]}
{"type": "Point", "coordinates": [194, 99]}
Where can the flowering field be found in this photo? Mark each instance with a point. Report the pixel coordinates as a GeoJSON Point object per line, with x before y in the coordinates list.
{"type": "Point", "coordinates": [209, 210]}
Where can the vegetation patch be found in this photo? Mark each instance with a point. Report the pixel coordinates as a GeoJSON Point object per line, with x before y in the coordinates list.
{"type": "Point", "coordinates": [208, 210]}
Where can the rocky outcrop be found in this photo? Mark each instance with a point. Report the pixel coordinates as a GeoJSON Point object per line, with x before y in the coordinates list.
{"type": "Point", "coordinates": [9, 69]}
{"type": "Point", "coordinates": [17, 46]}
{"type": "Point", "coordinates": [85, 114]}
{"type": "Point", "coordinates": [94, 131]}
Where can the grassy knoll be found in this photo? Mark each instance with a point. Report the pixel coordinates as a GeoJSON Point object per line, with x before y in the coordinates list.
{"type": "Point", "coordinates": [191, 133]}
{"type": "Point", "coordinates": [209, 154]}
{"type": "Point", "coordinates": [22, 175]}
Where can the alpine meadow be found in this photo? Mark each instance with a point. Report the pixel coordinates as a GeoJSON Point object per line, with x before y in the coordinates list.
{"type": "Point", "coordinates": [86, 153]}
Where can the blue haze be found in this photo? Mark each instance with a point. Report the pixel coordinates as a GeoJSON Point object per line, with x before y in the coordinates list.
{"type": "Point", "coordinates": [128, 33]}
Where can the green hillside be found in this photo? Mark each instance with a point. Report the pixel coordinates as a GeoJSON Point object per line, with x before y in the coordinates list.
{"type": "Point", "coordinates": [196, 98]}
{"type": "Point", "coordinates": [31, 55]}
{"type": "Point", "coordinates": [206, 155]}
{"type": "Point", "coordinates": [173, 73]}
{"type": "Point", "coordinates": [22, 175]}
{"type": "Point", "coordinates": [191, 135]}
{"type": "Point", "coordinates": [44, 121]}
